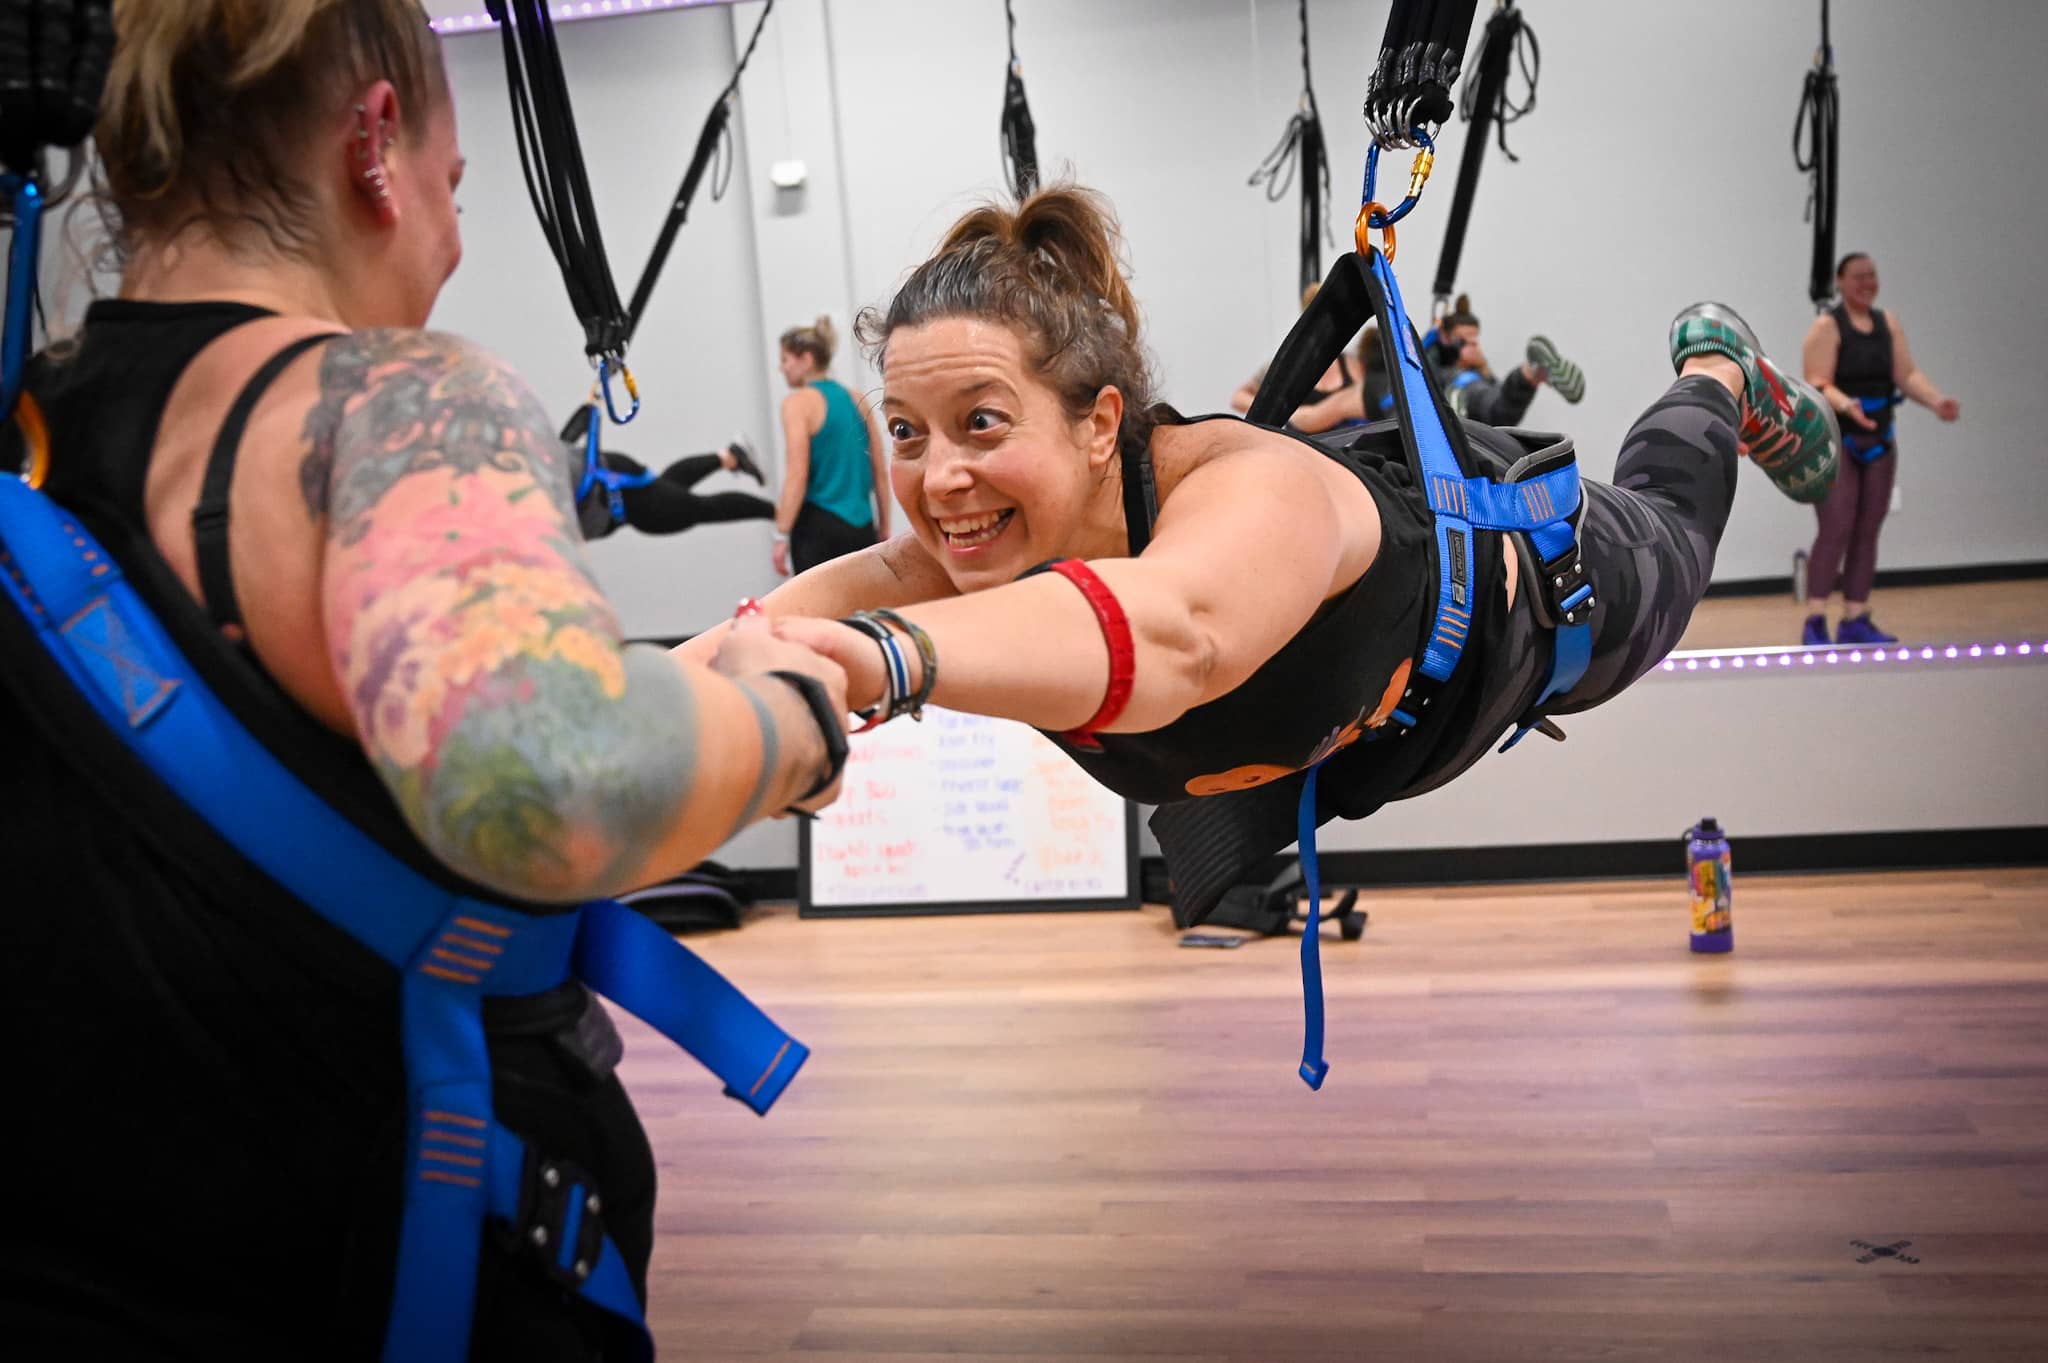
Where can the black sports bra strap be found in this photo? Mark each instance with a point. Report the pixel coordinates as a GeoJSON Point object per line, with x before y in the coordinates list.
{"type": "Point", "coordinates": [210, 517]}
{"type": "Point", "coordinates": [1141, 498]}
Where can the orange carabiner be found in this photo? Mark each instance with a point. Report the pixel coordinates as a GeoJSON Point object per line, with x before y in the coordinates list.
{"type": "Point", "coordinates": [35, 435]}
{"type": "Point", "coordinates": [1365, 225]}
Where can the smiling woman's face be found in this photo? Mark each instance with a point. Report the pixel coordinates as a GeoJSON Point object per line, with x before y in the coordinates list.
{"type": "Point", "coordinates": [995, 475]}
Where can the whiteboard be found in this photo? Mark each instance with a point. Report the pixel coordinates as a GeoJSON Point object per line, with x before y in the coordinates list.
{"type": "Point", "coordinates": [966, 814]}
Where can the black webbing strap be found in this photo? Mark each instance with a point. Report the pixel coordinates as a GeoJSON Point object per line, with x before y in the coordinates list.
{"type": "Point", "coordinates": [1301, 150]}
{"type": "Point", "coordinates": [1486, 104]}
{"type": "Point", "coordinates": [551, 156]}
{"type": "Point", "coordinates": [210, 517]}
{"type": "Point", "coordinates": [1141, 497]}
{"type": "Point", "coordinates": [1815, 144]}
{"type": "Point", "coordinates": [53, 66]}
{"type": "Point", "coordinates": [714, 142]}
{"type": "Point", "coordinates": [1019, 132]}
{"type": "Point", "coordinates": [1418, 67]}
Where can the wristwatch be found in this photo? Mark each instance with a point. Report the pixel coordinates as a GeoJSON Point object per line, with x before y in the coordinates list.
{"type": "Point", "coordinates": [830, 725]}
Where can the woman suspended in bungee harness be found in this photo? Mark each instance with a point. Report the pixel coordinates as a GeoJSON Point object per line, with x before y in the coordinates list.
{"type": "Point", "coordinates": [1210, 614]}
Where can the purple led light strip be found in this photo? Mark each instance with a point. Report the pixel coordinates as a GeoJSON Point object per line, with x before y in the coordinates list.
{"type": "Point", "coordinates": [568, 12]}
{"type": "Point", "coordinates": [1788, 659]}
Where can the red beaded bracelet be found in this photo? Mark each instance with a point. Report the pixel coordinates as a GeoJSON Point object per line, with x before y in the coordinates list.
{"type": "Point", "coordinates": [1123, 654]}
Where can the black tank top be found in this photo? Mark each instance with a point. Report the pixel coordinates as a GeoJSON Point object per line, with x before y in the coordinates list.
{"type": "Point", "coordinates": [1864, 368]}
{"type": "Point", "coordinates": [1331, 687]}
{"type": "Point", "coordinates": [206, 1093]}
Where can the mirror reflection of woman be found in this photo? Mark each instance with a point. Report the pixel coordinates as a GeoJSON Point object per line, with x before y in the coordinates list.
{"type": "Point", "coordinates": [1857, 356]}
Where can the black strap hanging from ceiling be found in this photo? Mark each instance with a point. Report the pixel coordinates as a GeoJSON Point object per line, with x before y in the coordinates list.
{"type": "Point", "coordinates": [53, 66]}
{"type": "Point", "coordinates": [1419, 63]}
{"type": "Point", "coordinates": [713, 142]}
{"type": "Point", "coordinates": [1486, 105]}
{"type": "Point", "coordinates": [54, 56]}
{"type": "Point", "coordinates": [1815, 145]}
{"type": "Point", "coordinates": [551, 156]}
{"type": "Point", "coordinates": [1019, 133]}
{"type": "Point", "coordinates": [1301, 150]}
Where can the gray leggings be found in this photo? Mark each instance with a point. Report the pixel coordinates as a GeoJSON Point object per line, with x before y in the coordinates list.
{"type": "Point", "coordinates": [1648, 540]}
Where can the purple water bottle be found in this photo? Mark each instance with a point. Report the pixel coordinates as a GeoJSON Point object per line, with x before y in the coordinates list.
{"type": "Point", "coordinates": [1707, 864]}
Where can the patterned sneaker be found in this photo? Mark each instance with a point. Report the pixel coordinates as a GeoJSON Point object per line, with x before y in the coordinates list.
{"type": "Point", "coordinates": [1861, 629]}
{"type": "Point", "coordinates": [743, 460]}
{"type": "Point", "coordinates": [1787, 428]}
{"type": "Point", "coordinates": [1815, 635]}
{"type": "Point", "coordinates": [1567, 378]}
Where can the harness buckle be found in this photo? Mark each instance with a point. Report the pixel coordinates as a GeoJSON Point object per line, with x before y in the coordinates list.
{"type": "Point", "coordinates": [561, 1219]}
{"type": "Point", "coordinates": [1565, 594]}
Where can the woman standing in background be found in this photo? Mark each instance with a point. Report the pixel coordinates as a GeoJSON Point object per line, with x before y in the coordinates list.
{"type": "Point", "coordinates": [833, 466]}
{"type": "Point", "coordinates": [1856, 355]}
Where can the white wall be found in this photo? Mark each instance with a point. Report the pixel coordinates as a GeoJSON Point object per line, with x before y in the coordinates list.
{"type": "Point", "coordinates": [1657, 170]}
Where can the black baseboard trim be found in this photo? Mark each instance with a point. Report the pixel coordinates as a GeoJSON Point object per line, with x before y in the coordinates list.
{"type": "Point", "coordinates": [1812, 853]}
{"type": "Point", "coordinates": [1956, 575]}
{"type": "Point", "coordinates": [1910, 850]}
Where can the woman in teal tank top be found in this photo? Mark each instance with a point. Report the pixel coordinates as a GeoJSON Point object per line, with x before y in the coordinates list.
{"type": "Point", "coordinates": [829, 504]}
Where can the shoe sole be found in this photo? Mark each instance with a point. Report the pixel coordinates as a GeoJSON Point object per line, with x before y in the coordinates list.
{"type": "Point", "coordinates": [1726, 316]}
{"type": "Point", "coordinates": [1567, 378]}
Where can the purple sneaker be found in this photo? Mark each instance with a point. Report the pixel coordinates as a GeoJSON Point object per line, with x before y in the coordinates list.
{"type": "Point", "coordinates": [1815, 635]}
{"type": "Point", "coordinates": [1862, 629]}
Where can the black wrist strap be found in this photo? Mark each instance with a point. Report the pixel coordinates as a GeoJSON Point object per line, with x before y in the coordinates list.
{"type": "Point", "coordinates": [830, 726]}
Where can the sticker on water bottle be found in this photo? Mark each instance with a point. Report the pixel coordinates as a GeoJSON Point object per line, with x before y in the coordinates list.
{"type": "Point", "coordinates": [1711, 894]}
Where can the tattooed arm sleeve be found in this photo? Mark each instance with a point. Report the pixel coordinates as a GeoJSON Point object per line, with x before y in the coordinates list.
{"type": "Point", "coordinates": [527, 746]}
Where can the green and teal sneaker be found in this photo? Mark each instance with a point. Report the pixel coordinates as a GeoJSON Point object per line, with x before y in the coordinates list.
{"type": "Point", "coordinates": [1567, 378]}
{"type": "Point", "coordinates": [1787, 428]}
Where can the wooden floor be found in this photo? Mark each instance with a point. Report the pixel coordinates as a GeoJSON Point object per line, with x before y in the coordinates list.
{"type": "Point", "coordinates": [1549, 1132]}
{"type": "Point", "coordinates": [1978, 613]}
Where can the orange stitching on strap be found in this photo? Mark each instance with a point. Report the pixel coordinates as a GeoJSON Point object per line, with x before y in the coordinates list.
{"type": "Point", "coordinates": [450, 1157]}
{"type": "Point", "coordinates": [770, 1070]}
{"type": "Point", "coordinates": [459, 1180]}
{"type": "Point", "coordinates": [438, 973]}
{"type": "Point", "coordinates": [456, 1119]}
{"type": "Point", "coordinates": [470, 961]}
{"type": "Point", "coordinates": [455, 939]}
{"type": "Point", "coordinates": [479, 925]}
{"type": "Point", "coordinates": [473, 1142]}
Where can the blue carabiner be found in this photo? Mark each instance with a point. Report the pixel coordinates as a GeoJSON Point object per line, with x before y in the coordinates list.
{"type": "Point", "coordinates": [23, 253]}
{"type": "Point", "coordinates": [604, 382]}
{"type": "Point", "coordinates": [1372, 168]}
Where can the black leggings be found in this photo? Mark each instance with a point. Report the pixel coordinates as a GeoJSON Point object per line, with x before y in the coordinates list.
{"type": "Point", "coordinates": [667, 505]}
{"type": "Point", "coordinates": [819, 537]}
{"type": "Point", "coordinates": [1648, 540]}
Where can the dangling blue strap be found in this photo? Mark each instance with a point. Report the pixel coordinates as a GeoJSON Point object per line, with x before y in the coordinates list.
{"type": "Point", "coordinates": [627, 958]}
{"type": "Point", "coordinates": [1313, 1066]}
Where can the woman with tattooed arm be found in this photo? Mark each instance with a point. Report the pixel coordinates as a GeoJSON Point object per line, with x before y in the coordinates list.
{"type": "Point", "coordinates": [362, 535]}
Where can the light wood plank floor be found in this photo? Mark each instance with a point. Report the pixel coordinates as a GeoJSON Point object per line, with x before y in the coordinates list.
{"type": "Point", "coordinates": [1549, 1132]}
{"type": "Point", "coordinates": [1976, 613]}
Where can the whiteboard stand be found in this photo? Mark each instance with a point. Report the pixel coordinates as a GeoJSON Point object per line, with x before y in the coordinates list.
{"type": "Point", "coordinates": [966, 814]}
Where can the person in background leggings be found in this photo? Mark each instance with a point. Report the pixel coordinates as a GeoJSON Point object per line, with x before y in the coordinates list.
{"type": "Point", "coordinates": [1468, 380]}
{"type": "Point", "coordinates": [670, 504]}
{"type": "Point", "coordinates": [830, 502]}
{"type": "Point", "coordinates": [1856, 355]}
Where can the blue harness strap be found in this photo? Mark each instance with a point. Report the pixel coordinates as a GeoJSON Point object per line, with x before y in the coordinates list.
{"type": "Point", "coordinates": [1867, 447]}
{"type": "Point", "coordinates": [453, 951]}
{"type": "Point", "coordinates": [25, 205]}
{"type": "Point", "coordinates": [595, 474]}
{"type": "Point", "coordinates": [1538, 502]}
